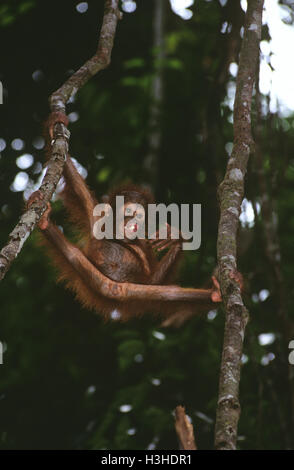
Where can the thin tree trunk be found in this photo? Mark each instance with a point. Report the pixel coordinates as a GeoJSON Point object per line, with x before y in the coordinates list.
{"type": "Point", "coordinates": [151, 161]}
{"type": "Point", "coordinates": [59, 147]}
{"type": "Point", "coordinates": [231, 192]}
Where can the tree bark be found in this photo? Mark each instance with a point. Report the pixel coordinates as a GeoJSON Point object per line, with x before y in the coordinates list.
{"type": "Point", "coordinates": [59, 145]}
{"type": "Point", "coordinates": [184, 429]}
{"type": "Point", "coordinates": [231, 193]}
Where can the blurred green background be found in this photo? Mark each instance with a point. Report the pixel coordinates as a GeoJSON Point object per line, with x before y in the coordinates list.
{"type": "Point", "coordinates": [160, 114]}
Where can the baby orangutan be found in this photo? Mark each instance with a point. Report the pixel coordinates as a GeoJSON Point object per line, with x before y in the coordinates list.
{"type": "Point", "coordinates": [118, 276]}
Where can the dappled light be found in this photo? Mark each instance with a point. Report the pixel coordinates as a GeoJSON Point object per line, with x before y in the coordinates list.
{"type": "Point", "coordinates": [181, 8]}
{"type": "Point", "coordinates": [38, 143]}
{"type": "Point", "coordinates": [267, 358]}
{"type": "Point", "coordinates": [247, 214]}
{"type": "Point", "coordinates": [266, 338]}
{"type": "Point", "coordinates": [17, 144]}
{"type": "Point", "coordinates": [25, 161]}
{"type": "Point", "coordinates": [2, 145]}
{"type": "Point", "coordinates": [82, 7]}
{"type": "Point", "coordinates": [20, 182]}
{"type": "Point", "coordinates": [129, 6]}
{"type": "Point", "coordinates": [159, 335]}
{"type": "Point", "coordinates": [125, 408]}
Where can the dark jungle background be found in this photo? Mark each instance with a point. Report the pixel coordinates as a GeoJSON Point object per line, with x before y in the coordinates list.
{"type": "Point", "coordinates": [160, 114]}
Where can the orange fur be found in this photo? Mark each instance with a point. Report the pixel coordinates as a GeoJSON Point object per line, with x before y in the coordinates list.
{"type": "Point", "coordinates": [122, 261]}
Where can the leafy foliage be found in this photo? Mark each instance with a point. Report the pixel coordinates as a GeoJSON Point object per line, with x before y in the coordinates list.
{"type": "Point", "coordinates": [67, 376]}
